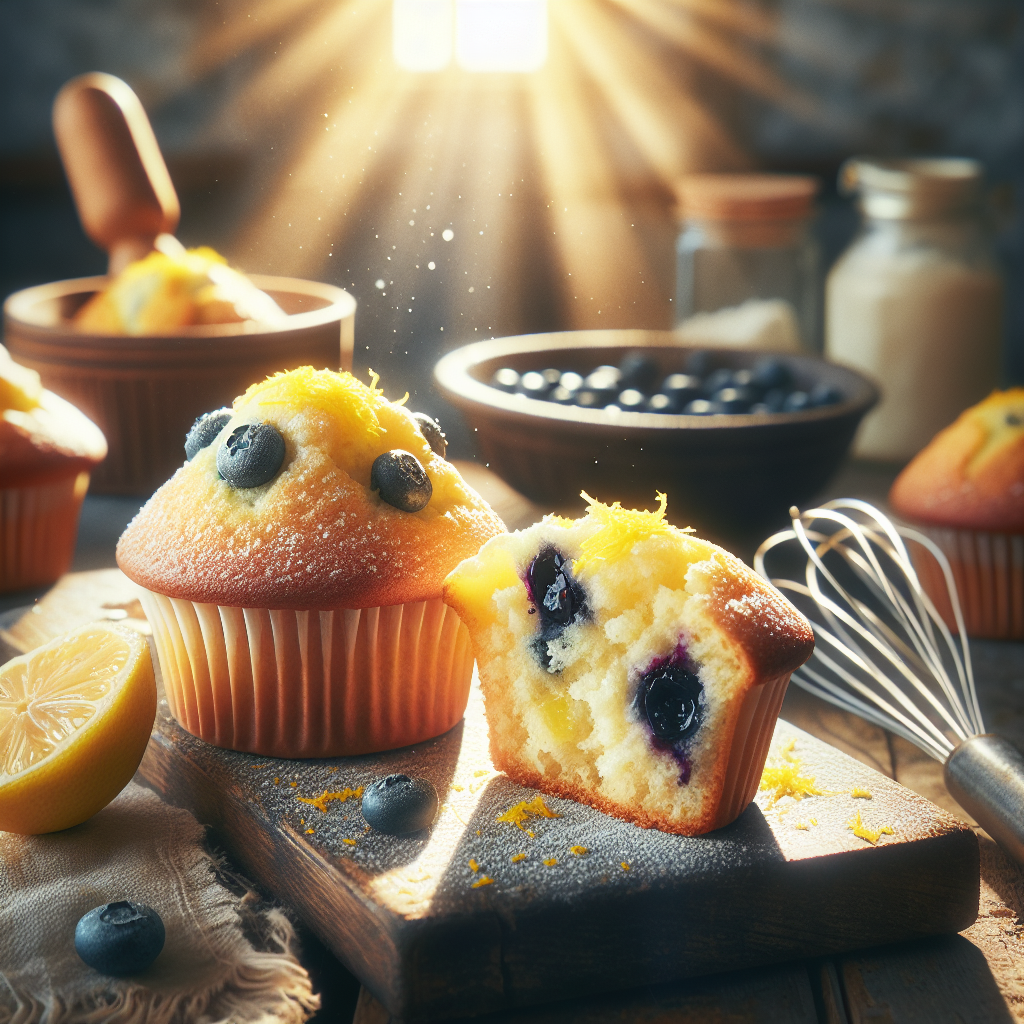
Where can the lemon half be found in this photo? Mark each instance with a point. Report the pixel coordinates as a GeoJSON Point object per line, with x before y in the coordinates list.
{"type": "Point", "coordinates": [75, 717]}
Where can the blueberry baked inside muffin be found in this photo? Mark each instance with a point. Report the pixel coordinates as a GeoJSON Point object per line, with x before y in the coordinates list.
{"type": "Point", "coordinates": [629, 665]}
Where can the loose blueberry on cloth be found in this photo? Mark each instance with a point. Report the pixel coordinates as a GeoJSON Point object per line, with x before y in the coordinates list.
{"type": "Point", "coordinates": [141, 850]}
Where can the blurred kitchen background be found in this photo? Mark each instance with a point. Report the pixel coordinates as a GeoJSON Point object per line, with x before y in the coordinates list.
{"type": "Point", "coordinates": [386, 145]}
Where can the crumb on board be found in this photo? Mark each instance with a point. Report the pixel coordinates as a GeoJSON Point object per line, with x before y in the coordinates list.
{"type": "Point", "coordinates": [349, 842]}
{"type": "Point", "coordinates": [331, 771]}
{"type": "Point", "coordinates": [550, 862]}
{"type": "Point", "coordinates": [320, 802]}
{"type": "Point", "coordinates": [578, 850]}
{"type": "Point", "coordinates": [521, 812]}
{"type": "Point", "coordinates": [861, 831]}
{"type": "Point", "coordinates": [517, 857]}
{"type": "Point", "coordinates": [860, 794]}
{"type": "Point", "coordinates": [478, 831]}
{"type": "Point", "coordinates": [473, 865]}
{"type": "Point", "coordinates": [783, 778]}
{"type": "Point", "coordinates": [482, 880]}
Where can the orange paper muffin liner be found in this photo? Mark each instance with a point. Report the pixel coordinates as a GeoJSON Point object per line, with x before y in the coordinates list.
{"type": "Point", "coordinates": [989, 572]}
{"type": "Point", "coordinates": [751, 738]}
{"type": "Point", "coordinates": [38, 530]}
{"type": "Point", "coordinates": [325, 683]}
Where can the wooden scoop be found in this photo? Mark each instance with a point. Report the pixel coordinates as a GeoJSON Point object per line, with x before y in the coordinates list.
{"type": "Point", "coordinates": [118, 177]}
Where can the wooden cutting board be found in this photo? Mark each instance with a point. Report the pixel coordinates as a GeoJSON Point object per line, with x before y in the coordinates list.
{"type": "Point", "coordinates": [455, 922]}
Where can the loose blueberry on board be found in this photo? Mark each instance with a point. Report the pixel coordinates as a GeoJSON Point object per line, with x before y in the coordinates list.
{"type": "Point", "coordinates": [204, 431]}
{"type": "Point", "coordinates": [431, 430]}
{"type": "Point", "coordinates": [397, 805]}
{"type": "Point", "coordinates": [252, 455]}
{"type": "Point", "coordinates": [769, 374]}
{"type": "Point", "coordinates": [558, 597]}
{"type": "Point", "coordinates": [637, 371]}
{"type": "Point", "coordinates": [401, 480]}
{"type": "Point", "coordinates": [668, 698]}
{"type": "Point", "coordinates": [120, 938]}
{"type": "Point", "coordinates": [505, 379]}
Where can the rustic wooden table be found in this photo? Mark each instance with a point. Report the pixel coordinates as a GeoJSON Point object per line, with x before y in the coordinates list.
{"type": "Point", "coordinates": [975, 976]}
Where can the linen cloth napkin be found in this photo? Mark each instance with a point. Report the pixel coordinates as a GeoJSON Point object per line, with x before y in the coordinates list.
{"type": "Point", "coordinates": [141, 849]}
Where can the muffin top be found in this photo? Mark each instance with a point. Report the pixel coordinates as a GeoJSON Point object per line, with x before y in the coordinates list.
{"type": "Point", "coordinates": [317, 533]}
{"type": "Point", "coordinates": [41, 436]}
{"type": "Point", "coordinates": [971, 475]}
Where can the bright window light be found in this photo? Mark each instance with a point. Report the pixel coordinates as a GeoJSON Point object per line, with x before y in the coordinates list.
{"type": "Point", "coordinates": [501, 35]}
{"type": "Point", "coordinates": [484, 35]}
{"type": "Point", "coordinates": [422, 33]}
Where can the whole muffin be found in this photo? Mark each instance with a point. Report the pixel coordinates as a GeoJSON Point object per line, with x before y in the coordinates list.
{"type": "Point", "coordinates": [629, 665]}
{"type": "Point", "coordinates": [293, 572]}
{"type": "Point", "coordinates": [47, 451]}
{"type": "Point", "coordinates": [965, 490]}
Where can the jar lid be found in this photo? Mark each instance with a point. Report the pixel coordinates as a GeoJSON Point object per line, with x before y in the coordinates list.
{"type": "Point", "coordinates": [746, 196]}
{"type": "Point", "coordinates": [912, 189]}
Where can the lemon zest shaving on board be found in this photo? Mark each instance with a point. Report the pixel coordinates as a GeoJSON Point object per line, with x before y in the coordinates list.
{"type": "Point", "coordinates": [578, 850]}
{"type": "Point", "coordinates": [624, 865]}
{"type": "Point", "coordinates": [861, 831]}
{"type": "Point", "coordinates": [517, 857]}
{"type": "Point", "coordinates": [482, 880]}
{"type": "Point", "coordinates": [784, 779]}
{"type": "Point", "coordinates": [349, 842]}
{"type": "Point", "coordinates": [521, 812]}
{"type": "Point", "coordinates": [860, 794]}
{"type": "Point", "coordinates": [309, 831]}
{"type": "Point", "coordinates": [620, 529]}
{"type": "Point", "coordinates": [551, 862]}
{"type": "Point", "coordinates": [473, 866]}
{"type": "Point", "coordinates": [320, 802]}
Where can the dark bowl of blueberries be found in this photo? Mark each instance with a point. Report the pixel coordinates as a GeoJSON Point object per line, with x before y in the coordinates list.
{"type": "Point", "coordinates": [734, 437]}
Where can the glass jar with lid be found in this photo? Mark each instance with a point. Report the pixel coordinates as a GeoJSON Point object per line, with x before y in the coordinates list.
{"type": "Point", "coordinates": [916, 301]}
{"type": "Point", "coordinates": [747, 262]}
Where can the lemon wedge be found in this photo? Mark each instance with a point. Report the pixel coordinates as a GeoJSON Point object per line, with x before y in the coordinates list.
{"type": "Point", "coordinates": [75, 718]}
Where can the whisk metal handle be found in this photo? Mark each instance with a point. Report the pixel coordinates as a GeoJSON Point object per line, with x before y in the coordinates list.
{"type": "Point", "coordinates": [985, 774]}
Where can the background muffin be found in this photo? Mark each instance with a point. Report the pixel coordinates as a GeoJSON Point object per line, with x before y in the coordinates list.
{"type": "Point", "coordinates": [965, 490]}
{"type": "Point", "coordinates": [296, 607]}
{"type": "Point", "coordinates": [47, 451]}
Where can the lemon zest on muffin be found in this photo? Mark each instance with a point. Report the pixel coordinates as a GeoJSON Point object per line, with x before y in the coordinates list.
{"type": "Point", "coordinates": [860, 794]}
{"type": "Point", "coordinates": [482, 880]}
{"type": "Point", "coordinates": [861, 831]}
{"type": "Point", "coordinates": [783, 778]}
{"type": "Point", "coordinates": [620, 530]}
{"type": "Point", "coordinates": [320, 802]}
{"type": "Point", "coordinates": [340, 395]}
{"type": "Point", "coordinates": [521, 812]}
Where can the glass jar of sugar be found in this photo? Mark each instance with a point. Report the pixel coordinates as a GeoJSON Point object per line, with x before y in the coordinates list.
{"type": "Point", "coordinates": [747, 262]}
{"type": "Point", "coordinates": [916, 301]}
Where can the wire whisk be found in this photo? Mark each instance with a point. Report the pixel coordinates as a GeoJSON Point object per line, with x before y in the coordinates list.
{"type": "Point", "coordinates": [883, 651]}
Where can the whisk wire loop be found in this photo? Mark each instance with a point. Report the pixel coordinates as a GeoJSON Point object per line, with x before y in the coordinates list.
{"type": "Point", "coordinates": [883, 651]}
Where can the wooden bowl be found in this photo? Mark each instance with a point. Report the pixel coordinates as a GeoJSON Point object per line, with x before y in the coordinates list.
{"type": "Point", "coordinates": [145, 392]}
{"type": "Point", "coordinates": [727, 475]}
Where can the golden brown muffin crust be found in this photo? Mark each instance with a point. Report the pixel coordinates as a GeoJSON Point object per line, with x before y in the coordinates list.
{"type": "Point", "coordinates": [971, 475]}
{"type": "Point", "coordinates": [315, 536]}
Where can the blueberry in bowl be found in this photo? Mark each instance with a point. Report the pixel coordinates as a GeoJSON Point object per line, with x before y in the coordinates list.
{"type": "Point", "coordinates": [771, 433]}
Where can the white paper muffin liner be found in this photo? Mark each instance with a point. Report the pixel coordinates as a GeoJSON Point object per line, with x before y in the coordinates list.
{"type": "Point", "coordinates": [38, 530]}
{"type": "Point", "coordinates": [322, 683]}
{"type": "Point", "coordinates": [989, 572]}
